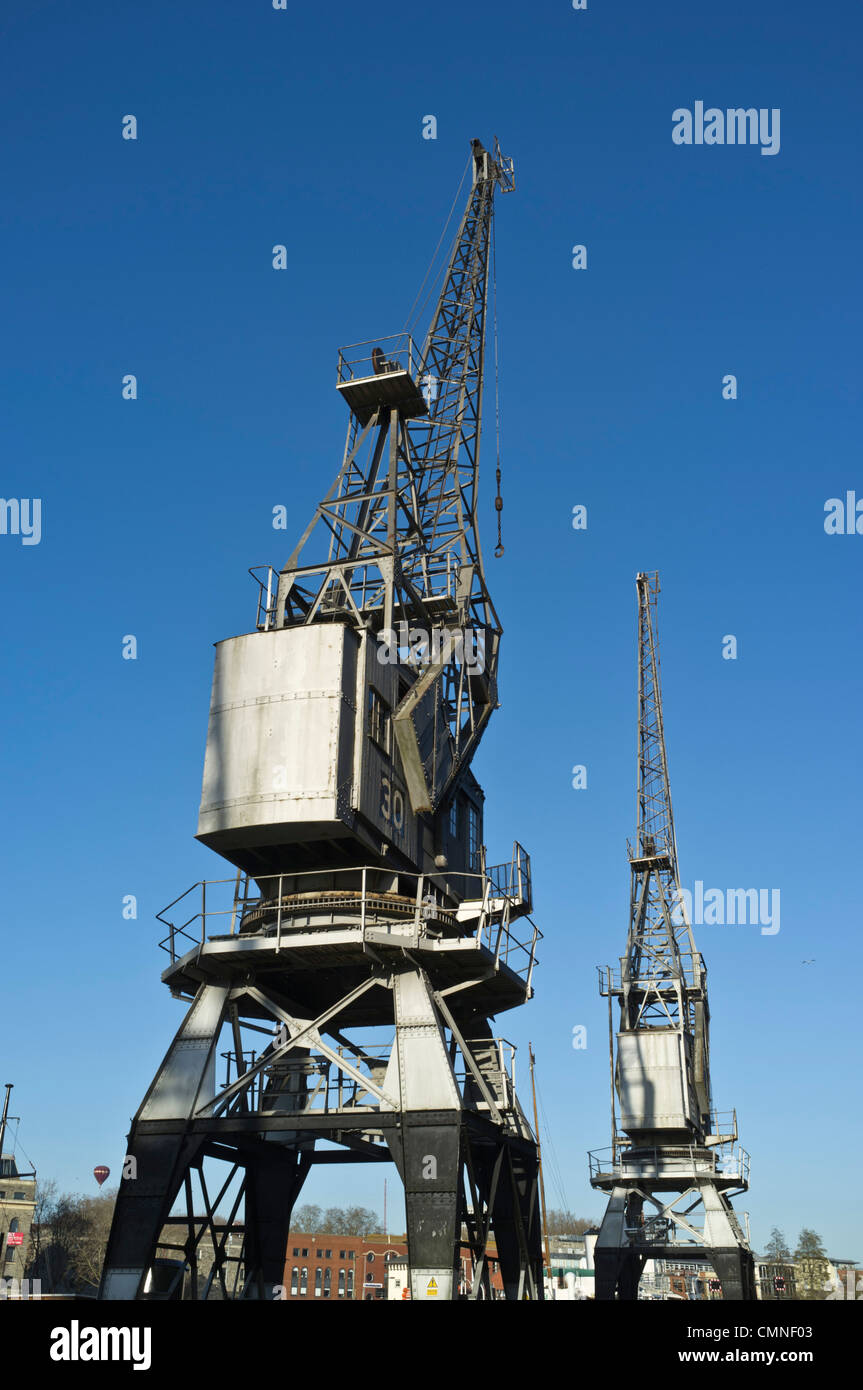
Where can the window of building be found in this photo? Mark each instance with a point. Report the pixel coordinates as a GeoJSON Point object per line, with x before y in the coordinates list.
{"type": "Point", "coordinates": [350, 1283]}
{"type": "Point", "coordinates": [341, 1254]}
{"type": "Point", "coordinates": [296, 1250]}
{"type": "Point", "coordinates": [453, 817]}
{"type": "Point", "coordinates": [318, 1278]}
{"type": "Point", "coordinates": [320, 1254]}
{"type": "Point", "coordinates": [305, 1254]}
{"type": "Point", "coordinates": [19, 1196]}
{"type": "Point", "coordinates": [341, 1283]}
{"type": "Point", "coordinates": [379, 720]}
{"type": "Point", "coordinates": [295, 1280]}
{"type": "Point", "coordinates": [328, 1276]}
{"type": "Point", "coordinates": [13, 1224]}
{"type": "Point", "coordinates": [10, 1252]}
{"type": "Point", "coordinates": [328, 1254]}
{"type": "Point", "coordinates": [472, 836]}
{"type": "Point", "coordinates": [304, 1282]}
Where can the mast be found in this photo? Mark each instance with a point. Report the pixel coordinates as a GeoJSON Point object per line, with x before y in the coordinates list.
{"type": "Point", "coordinates": [5, 1116]}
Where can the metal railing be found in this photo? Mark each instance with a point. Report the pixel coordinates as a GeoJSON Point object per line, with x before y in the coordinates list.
{"type": "Point", "coordinates": [267, 580]}
{"type": "Point", "coordinates": [724, 1122]}
{"type": "Point", "coordinates": [500, 1078]}
{"type": "Point", "coordinates": [513, 880]}
{"type": "Point", "coordinates": [692, 964]}
{"type": "Point", "coordinates": [354, 1080]}
{"type": "Point", "coordinates": [219, 907]}
{"type": "Point", "coordinates": [377, 357]}
{"type": "Point", "coordinates": [304, 1082]}
{"type": "Point", "coordinates": [725, 1160]}
{"type": "Point", "coordinates": [654, 846]}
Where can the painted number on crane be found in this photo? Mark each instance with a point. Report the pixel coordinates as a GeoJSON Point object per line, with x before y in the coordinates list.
{"type": "Point", "coordinates": [392, 804]}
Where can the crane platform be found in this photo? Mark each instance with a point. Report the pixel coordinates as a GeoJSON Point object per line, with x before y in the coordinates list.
{"type": "Point", "coordinates": [375, 375]}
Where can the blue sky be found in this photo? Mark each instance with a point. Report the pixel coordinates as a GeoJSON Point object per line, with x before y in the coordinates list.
{"type": "Point", "coordinates": [304, 127]}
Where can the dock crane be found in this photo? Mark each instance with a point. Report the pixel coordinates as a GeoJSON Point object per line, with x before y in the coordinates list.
{"type": "Point", "coordinates": [338, 785]}
{"type": "Point", "coordinates": [671, 1174]}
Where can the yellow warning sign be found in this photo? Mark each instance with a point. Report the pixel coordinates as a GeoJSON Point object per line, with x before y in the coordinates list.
{"type": "Point", "coordinates": [431, 1288]}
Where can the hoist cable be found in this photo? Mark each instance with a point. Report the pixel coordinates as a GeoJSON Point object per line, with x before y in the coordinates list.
{"type": "Point", "coordinates": [411, 318]}
{"type": "Point", "coordinates": [498, 501]}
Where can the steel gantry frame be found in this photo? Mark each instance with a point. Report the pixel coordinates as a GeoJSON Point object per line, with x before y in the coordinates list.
{"type": "Point", "coordinates": [673, 1141]}
{"type": "Point", "coordinates": [439, 1104]}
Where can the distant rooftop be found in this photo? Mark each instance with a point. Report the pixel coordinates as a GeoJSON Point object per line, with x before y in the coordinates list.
{"type": "Point", "coordinates": [9, 1168]}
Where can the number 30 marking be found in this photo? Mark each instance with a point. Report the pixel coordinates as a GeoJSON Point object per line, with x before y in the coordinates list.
{"type": "Point", "coordinates": [392, 804]}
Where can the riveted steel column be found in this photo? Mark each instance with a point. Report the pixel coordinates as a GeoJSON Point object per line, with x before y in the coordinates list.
{"type": "Point", "coordinates": [183, 1083]}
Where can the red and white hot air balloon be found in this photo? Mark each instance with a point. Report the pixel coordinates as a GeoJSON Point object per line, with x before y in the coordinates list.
{"type": "Point", "coordinates": [100, 1173]}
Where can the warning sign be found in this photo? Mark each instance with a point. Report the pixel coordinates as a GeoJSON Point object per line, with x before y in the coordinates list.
{"type": "Point", "coordinates": [431, 1288]}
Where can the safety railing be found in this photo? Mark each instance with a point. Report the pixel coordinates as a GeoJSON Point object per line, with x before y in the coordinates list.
{"type": "Point", "coordinates": [726, 1161]}
{"type": "Point", "coordinates": [303, 1082]}
{"type": "Point", "coordinates": [267, 580]}
{"type": "Point", "coordinates": [377, 357]}
{"type": "Point", "coordinates": [724, 1122]}
{"type": "Point", "coordinates": [692, 965]}
{"type": "Point", "coordinates": [377, 897]}
{"type": "Point", "coordinates": [513, 880]}
{"type": "Point", "coordinates": [494, 1059]}
{"type": "Point", "coordinates": [658, 845]}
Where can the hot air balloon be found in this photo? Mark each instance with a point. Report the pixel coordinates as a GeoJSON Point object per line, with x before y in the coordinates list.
{"type": "Point", "coordinates": [100, 1173]}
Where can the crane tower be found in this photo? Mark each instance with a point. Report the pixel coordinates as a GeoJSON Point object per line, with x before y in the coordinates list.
{"type": "Point", "coordinates": [341, 981]}
{"type": "Point", "coordinates": [672, 1172]}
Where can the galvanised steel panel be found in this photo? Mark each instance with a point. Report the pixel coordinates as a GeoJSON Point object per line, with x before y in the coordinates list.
{"type": "Point", "coordinates": [651, 1081]}
{"type": "Point", "coordinates": [281, 731]}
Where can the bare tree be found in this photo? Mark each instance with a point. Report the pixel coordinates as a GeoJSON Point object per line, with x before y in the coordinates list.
{"type": "Point", "coordinates": [307, 1218]}
{"type": "Point", "coordinates": [564, 1223]}
{"type": "Point", "coordinates": [70, 1238]}
{"type": "Point", "coordinates": [46, 1197]}
{"type": "Point", "coordinates": [360, 1221]}
{"type": "Point", "coordinates": [88, 1253]}
{"type": "Point", "coordinates": [349, 1221]}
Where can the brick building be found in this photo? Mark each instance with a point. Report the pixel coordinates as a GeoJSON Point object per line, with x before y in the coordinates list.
{"type": "Point", "coordinates": [368, 1268]}
{"type": "Point", "coordinates": [339, 1267]}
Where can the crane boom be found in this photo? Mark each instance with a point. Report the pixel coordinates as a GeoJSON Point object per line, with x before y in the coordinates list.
{"type": "Point", "coordinates": [663, 977]}
{"type": "Point", "coordinates": [403, 554]}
